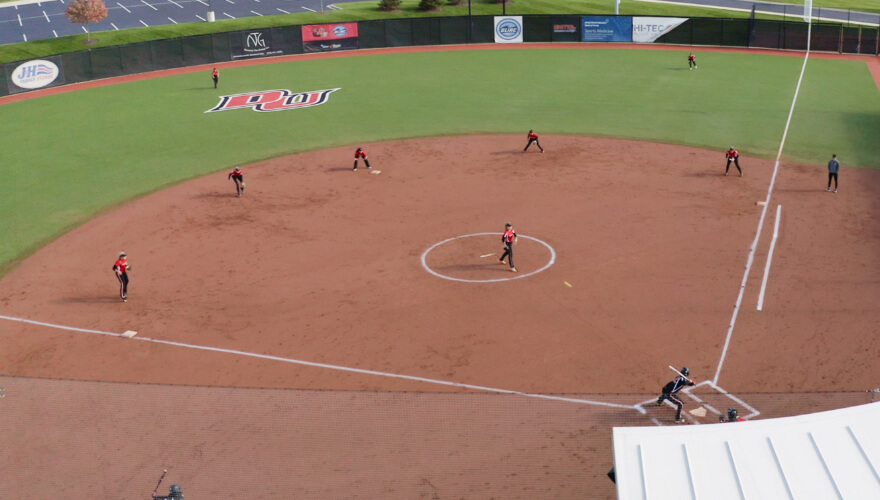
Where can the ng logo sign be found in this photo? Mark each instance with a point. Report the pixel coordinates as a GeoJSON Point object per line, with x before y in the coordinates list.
{"type": "Point", "coordinates": [273, 100]}
{"type": "Point", "coordinates": [255, 42]}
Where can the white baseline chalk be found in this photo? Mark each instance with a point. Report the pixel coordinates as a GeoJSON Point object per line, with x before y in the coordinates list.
{"type": "Point", "coordinates": [769, 258]}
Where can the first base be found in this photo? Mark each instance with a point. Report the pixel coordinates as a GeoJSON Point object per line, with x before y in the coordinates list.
{"type": "Point", "coordinates": [699, 412]}
{"type": "Point", "coordinates": [129, 334]}
{"type": "Point", "coordinates": [375, 172]}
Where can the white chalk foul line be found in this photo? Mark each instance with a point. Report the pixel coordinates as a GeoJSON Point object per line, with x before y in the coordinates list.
{"type": "Point", "coordinates": [518, 276]}
{"type": "Point", "coordinates": [331, 367]}
{"type": "Point", "coordinates": [769, 258]}
{"type": "Point", "coordinates": [751, 258]}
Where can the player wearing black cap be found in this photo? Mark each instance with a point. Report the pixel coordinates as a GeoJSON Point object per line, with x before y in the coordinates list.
{"type": "Point", "coordinates": [673, 387]}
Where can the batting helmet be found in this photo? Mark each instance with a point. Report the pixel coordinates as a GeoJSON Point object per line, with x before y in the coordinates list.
{"type": "Point", "coordinates": [731, 413]}
{"type": "Point", "coordinates": [685, 371]}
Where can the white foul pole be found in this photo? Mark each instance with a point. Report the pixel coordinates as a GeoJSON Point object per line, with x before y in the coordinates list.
{"type": "Point", "coordinates": [808, 10]}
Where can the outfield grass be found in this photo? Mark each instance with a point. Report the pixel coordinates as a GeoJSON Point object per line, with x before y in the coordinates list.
{"type": "Point", "coordinates": [356, 11]}
{"type": "Point", "coordinates": [69, 156]}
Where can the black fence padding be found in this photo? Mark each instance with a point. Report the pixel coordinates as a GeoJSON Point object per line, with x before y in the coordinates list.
{"type": "Point", "coordinates": [537, 29]}
{"type": "Point", "coordinates": [220, 47]}
{"type": "Point", "coordinates": [706, 31]}
{"type": "Point", "coordinates": [426, 31]}
{"type": "Point", "coordinates": [198, 50]}
{"type": "Point", "coordinates": [398, 33]}
{"type": "Point", "coordinates": [483, 30]}
{"type": "Point", "coordinates": [794, 36]}
{"type": "Point", "coordinates": [288, 38]}
{"type": "Point", "coordinates": [167, 53]}
{"type": "Point", "coordinates": [77, 67]}
{"type": "Point", "coordinates": [826, 38]}
{"type": "Point", "coordinates": [735, 33]}
{"type": "Point", "coordinates": [454, 30]}
{"type": "Point", "coordinates": [563, 36]}
{"type": "Point", "coordinates": [681, 35]}
{"type": "Point", "coordinates": [766, 34]}
{"type": "Point", "coordinates": [868, 43]}
{"type": "Point", "coordinates": [4, 84]}
{"type": "Point", "coordinates": [137, 57]}
{"type": "Point", "coordinates": [106, 62]}
{"type": "Point", "coordinates": [371, 34]}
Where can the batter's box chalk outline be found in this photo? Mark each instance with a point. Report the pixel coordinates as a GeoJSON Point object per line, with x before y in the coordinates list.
{"type": "Point", "coordinates": [517, 277]}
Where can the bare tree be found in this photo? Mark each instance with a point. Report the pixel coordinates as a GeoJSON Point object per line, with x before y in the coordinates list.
{"type": "Point", "coordinates": [87, 12]}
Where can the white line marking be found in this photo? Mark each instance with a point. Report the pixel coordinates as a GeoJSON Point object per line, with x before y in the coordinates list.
{"type": "Point", "coordinates": [62, 1]}
{"type": "Point", "coordinates": [56, 34]}
{"type": "Point", "coordinates": [19, 19]}
{"type": "Point", "coordinates": [742, 288]}
{"type": "Point", "coordinates": [230, 1]}
{"type": "Point", "coordinates": [257, 13]}
{"type": "Point", "coordinates": [114, 26]}
{"type": "Point", "coordinates": [172, 20]}
{"type": "Point", "coordinates": [324, 365]}
{"type": "Point", "coordinates": [769, 258]}
{"type": "Point", "coordinates": [227, 15]}
{"type": "Point", "coordinates": [175, 3]}
{"type": "Point", "coordinates": [282, 10]}
{"type": "Point", "coordinates": [47, 17]}
{"type": "Point", "coordinates": [142, 22]}
{"type": "Point", "coordinates": [84, 29]}
{"type": "Point", "coordinates": [148, 5]}
{"type": "Point", "coordinates": [308, 9]}
{"type": "Point", "coordinates": [123, 7]}
{"type": "Point", "coordinates": [518, 276]}
{"type": "Point", "coordinates": [753, 412]}
{"type": "Point", "coordinates": [24, 36]}
{"type": "Point", "coordinates": [201, 2]}
{"type": "Point", "coordinates": [200, 17]}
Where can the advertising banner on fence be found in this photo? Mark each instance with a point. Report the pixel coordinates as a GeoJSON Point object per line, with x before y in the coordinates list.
{"type": "Point", "coordinates": [254, 43]}
{"type": "Point", "coordinates": [649, 29]}
{"type": "Point", "coordinates": [36, 74]}
{"type": "Point", "coordinates": [327, 37]}
{"type": "Point", "coordinates": [606, 29]}
{"type": "Point", "coordinates": [508, 29]}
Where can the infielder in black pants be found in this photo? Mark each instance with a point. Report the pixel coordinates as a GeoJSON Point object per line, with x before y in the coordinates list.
{"type": "Point", "coordinates": [508, 238]}
{"type": "Point", "coordinates": [121, 268]}
{"type": "Point", "coordinates": [673, 387]}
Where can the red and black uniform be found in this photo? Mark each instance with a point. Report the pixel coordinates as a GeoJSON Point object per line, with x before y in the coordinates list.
{"type": "Point", "coordinates": [732, 157]}
{"type": "Point", "coordinates": [669, 391]}
{"type": "Point", "coordinates": [360, 153]}
{"type": "Point", "coordinates": [215, 75]}
{"type": "Point", "coordinates": [692, 61]}
{"type": "Point", "coordinates": [122, 267]}
{"type": "Point", "coordinates": [238, 177]}
{"type": "Point", "coordinates": [533, 137]}
{"type": "Point", "coordinates": [508, 238]}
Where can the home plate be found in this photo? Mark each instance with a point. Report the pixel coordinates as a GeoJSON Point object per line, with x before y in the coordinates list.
{"type": "Point", "coordinates": [129, 334]}
{"type": "Point", "coordinates": [375, 172]}
{"type": "Point", "coordinates": [699, 412]}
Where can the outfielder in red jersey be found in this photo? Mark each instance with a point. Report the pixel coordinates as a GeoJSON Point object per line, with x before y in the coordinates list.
{"type": "Point", "coordinates": [238, 177]}
{"type": "Point", "coordinates": [360, 153]}
{"type": "Point", "coordinates": [733, 157]}
{"type": "Point", "coordinates": [692, 61]}
{"type": "Point", "coordinates": [533, 137]}
{"type": "Point", "coordinates": [215, 75]}
{"type": "Point", "coordinates": [508, 238]}
{"type": "Point", "coordinates": [121, 268]}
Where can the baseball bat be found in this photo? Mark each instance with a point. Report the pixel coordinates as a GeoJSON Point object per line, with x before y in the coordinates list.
{"type": "Point", "coordinates": [678, 372]}
{"type": "Point", "coordinates": [160, 480]}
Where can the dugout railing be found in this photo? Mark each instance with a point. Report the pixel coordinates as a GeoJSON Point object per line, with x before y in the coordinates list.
{"type": "Point", "coordinates": [141, 57]}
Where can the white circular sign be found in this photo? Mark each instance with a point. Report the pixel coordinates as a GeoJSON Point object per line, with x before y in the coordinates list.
{"type": "Point", "coordinates": [35, 74]}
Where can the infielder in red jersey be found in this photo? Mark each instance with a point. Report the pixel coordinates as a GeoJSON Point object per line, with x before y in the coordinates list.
{"type": "Point", "coordinates": [121, 268]}
{"type": "Point", "coordinates": [215, 75]}
{"type": "Point", "coordinates": [360, 153]}
{"type": "Point", "coordinates": [238, 177]}
{"type": "Point", "coordinates": [533, 137]}
{"type": "Point", "coordinates": [508, 238]}
{"type": "Point", "coordinates": [733, 157]}
{"type": "Point", "coordinates": [692, 61]}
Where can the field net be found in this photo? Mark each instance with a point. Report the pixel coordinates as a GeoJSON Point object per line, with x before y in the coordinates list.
{"type": "Point", "coordinates": [75, 439]}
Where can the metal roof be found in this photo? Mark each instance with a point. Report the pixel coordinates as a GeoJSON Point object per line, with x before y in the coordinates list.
{"type": "Point", "coordinates": [822, 456]}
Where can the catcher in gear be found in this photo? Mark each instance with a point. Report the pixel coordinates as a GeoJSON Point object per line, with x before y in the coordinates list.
{"type": "Point", "coordinates": [673, 387]}
{"type": "Point", "coordinates": [731, 416]}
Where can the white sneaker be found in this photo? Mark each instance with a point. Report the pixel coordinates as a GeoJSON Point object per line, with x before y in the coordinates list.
{"type": "Point", "coordinates": [835, 190]}
{"type": "Point", "coordinates": [827, 190]}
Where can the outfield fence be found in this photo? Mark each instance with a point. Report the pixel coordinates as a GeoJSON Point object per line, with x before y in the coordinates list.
{"type": "Point", "coordinates": [106, 62]}
{"type": "Point", "coordinates": [79, 439]}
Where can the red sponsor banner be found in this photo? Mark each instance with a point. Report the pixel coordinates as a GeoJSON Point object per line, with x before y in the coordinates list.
{"type": "Point", "coordinates": [328, 32]}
